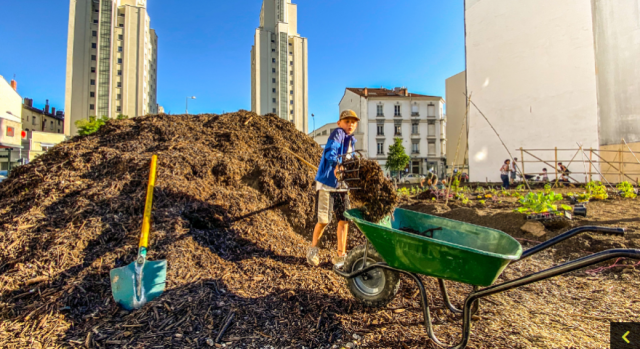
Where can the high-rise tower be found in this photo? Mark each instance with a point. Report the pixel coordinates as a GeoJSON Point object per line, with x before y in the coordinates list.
{"type": "Point", "coordinates": [279, 78]}
{"type": "Point", "coordinates": [111, 61]}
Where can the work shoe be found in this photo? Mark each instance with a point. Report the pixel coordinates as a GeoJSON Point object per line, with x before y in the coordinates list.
{"type": "Point", "coordinates": [338, 261]}
{"type": "Point", "coordinates": [312, 256]}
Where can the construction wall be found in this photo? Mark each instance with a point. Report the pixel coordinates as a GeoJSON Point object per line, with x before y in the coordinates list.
{"type": "Point", "coordinates": [617, 50]}
{"type": "Point", "coordinates": [456, 109]}
{"type": "Point", "coordinates": [621, 162]}
{"type": "Point", "coordinates": [531, 70]}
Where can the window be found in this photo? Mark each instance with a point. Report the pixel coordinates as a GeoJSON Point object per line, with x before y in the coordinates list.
{"type": "Point", "coordinates": [273, 90]}
{"type": "Point", "coordinates": [118, 108]}
{"type": "Point", "coordinates": [94, 33]}
{"type": "Point", "coordinates": [273, 40]}
{"type": "Point", "coordinates": [95, 21]}
{"type": "Point", "coordinates": [291, 92]}
{"type": "Point", "coordinates": [432, 148]}
{"type": "Point", "coordinates": [431, 130]}
{"type": "Point", "coordinates": [273, 80]}
{"type": "Point", "coordinates": [396, 110]}
{"type": "Point", "coordinates": [291, 112]}
{"type": "Point", "coordinates": [93, 69]}
{"type": "Point", "coordinates": [414, 128]}
{"type": "Point", "coordinates": [10, 131]}
{"type": "Point", "coordinates": [273, 60]}
{"type": "Point", "coordinates": [415, 147]}
{"type": "Point", "coordinates": [273, 50]}
{"type": "Point", "coordinates": [291, 72]}
{"type": "Point", "coordinates": [414, 110]}
{"type": "Point", "coordinates": [274, 110]}
{"type": "Point", "coordinates": [380, 129]}
{"type": "Point", "coordinates": [289, 44]}
{"type": "Point", "coordinates": [120, 37]}
{"type": "Point", "coordinates": [324, 133]}
{"type": "Point", "coordinates": [92, 94]}
{"type": "Point", "coordinates": [94, 45]}
{"type": "Point", "coordinates": [379, 110]}
{"type": "Point", "coordinates": [118, 96]}
{"type": "Point", "coordinates": [93, 57]}
{"type": "Point", "coordinates": [291, 82]}
{"type": "Point", "coordinates": [274, 100]}
{"type": "Point", "coordinates": [119, 60]}
{"type": "Point", "coordinates": [431, 110]}
{"type": "Point", "coordinates": [380, 148]}
{"type": "Point", "coordinates": [119, 48]}
{"type": "Point", "coordinates": [397, 129]}
{"type": "Point", "coordinates": [291, 102]}
{"type": "Point", "coordinates": [119, 72]}
{"type": "Point", "coordinates": [33, 121]}
{"type": "Point", "coordinates": [273, 70]}
{"type": "Point", "coordinates": [291, 63]}
{"type": "Point", "coordinates": [118, 84]}
{"type": "Point", "coordinates": [93, 82]}
{"type": "Point", "coordinates": [290, 52]}
{"type": "Point", "coordinates": [51, 126]}
{"type": "Point", "coordinates": [58, 122]}
{"type": "Point", "coordinates": [91, 106]}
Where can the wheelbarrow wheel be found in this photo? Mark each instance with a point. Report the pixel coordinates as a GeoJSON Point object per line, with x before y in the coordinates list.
{"type": "Point", "coordinates": [375, 288]}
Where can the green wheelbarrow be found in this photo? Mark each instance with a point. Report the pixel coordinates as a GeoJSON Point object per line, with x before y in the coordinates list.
{"type": "Point", "coordinates": [413, 243]}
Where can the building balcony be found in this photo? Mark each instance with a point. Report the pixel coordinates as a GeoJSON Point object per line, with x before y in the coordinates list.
{"type": "Point", "coordinates": [380, 115]}
{"type": "Point", "coordinates": [415, 114]}
{"type": "Point", "coordinates": [397, 115]}
{"type": "Point", "coordinates": [431, 117]}
{"type": "Point", "coordinates": [431, 136]}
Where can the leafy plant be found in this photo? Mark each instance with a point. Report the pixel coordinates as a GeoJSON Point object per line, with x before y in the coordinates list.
{"type": "Point", "coordinates": [597, 190]}
{"type": "Point", "coordinates": [547, 188]}
{"type": "Point", "coordinates": [122, 117]}
{"type": "Point", "coordinates": [87, 127]}
{"type": "Point", "coordinates": [481, 202]}
{"type": "Point", "coordinates": [404, 192]}
{"type": "Point", "coordinates": [540, 202]}
{"type": "Point", "coordinates": [626, 190]}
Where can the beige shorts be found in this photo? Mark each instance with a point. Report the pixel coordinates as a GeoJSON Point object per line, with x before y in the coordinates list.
{"type": "Point", "coordinates": [328, 202]}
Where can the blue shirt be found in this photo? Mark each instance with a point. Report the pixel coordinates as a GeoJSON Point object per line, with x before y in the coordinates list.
{"type": "Point", "coordinates": [337, 144]}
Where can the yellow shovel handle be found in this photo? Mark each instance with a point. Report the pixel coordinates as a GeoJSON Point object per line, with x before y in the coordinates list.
{"type": "Point", "coordinates": [146, 219]}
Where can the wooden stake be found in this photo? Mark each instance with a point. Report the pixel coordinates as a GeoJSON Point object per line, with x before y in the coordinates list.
{"type": "Point", "coordinates": [621, 171]}
{"type": "Point", "coordinates": [590, 163]}
{"type": "Point", "coordinates": [556, 167]}
{"type": "Point", "coordinates": [522, 159]}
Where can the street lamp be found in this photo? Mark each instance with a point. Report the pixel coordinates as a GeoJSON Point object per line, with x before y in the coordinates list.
{"type": "Point", "coordinates": [187, 108]}
{"type": "Point", "coordinates": [314, 126]}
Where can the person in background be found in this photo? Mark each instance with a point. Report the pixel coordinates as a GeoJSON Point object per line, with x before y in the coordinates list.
{"type": "Point", "coordinates": [504, 173]}
{"type": "Point", "coordinates": [430, 180]}
{"type": "Point", "coordinates": [514, 170]}
{"type": "Point", "coordinates": [545, 175]}
{"type": "Point", "coordinates": [564, 171]}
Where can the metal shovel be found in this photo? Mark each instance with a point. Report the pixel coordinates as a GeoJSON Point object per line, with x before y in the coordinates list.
{"type": "Point", "coordinates": [141, 281]}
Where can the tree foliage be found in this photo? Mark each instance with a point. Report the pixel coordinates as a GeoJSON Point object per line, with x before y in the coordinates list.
{"type": "Point", "coordinates": [87, 127]}
{"type": "Point", "coordinates": [397, 158]}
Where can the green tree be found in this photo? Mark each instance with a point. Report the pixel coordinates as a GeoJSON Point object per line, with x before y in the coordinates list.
{"type": "Point", "coordinates": [87, 127]}
{"type": "Point", "coordinates": [122, 117]}
{"type": "Point", "coordinates": [397, 158]}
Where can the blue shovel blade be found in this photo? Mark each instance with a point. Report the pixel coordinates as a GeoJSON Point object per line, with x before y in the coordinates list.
{"type": "Point", "coordinates": [124, 283]}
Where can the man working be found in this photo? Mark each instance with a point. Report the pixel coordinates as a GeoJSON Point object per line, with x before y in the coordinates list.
{"type": "Point", "coordinates": [431, 180]}
{"type": "Point", "coordinates": [330, 198]}
{"type": "Point", "coordinates": [564, 171]}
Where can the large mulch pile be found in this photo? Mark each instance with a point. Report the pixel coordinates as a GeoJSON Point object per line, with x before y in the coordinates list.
{"type": "Point", "coordinates": [375, 195]}
{"type": "Point", "coordinates": [232, 216]}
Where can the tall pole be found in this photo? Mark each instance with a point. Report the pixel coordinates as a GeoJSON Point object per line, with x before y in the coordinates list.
{"type": "Point", "coordinates": [314, 126]}
{"type": "Point", "coordinates": [186, 109]}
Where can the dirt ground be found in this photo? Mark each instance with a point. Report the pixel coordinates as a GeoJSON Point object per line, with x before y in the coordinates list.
{"type": "Point", "coordinates": [233, 218]}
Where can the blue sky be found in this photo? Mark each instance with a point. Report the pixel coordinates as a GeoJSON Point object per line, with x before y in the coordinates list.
{"type": "Point", "coordinates": [204, 49]}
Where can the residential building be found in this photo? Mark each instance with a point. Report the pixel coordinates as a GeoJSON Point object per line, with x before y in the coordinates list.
{"type": "Point", "coordinates": [10, 127]}
{"type": "Point", "coordinates": [45, 120]}
{"type": "Point", "coordinates": [160, 109]}
{"type": "Point", "coordinates": [551, 74]}
{"type": "Point", "coordinates": [36, 143]}
{"type": "Point", "coordinates": [111, 61]}
{"type": "Point", "coordinates": [456, 126]}
{"type": "Point", "coordinates": [322, 134]}
{"type": "Point", "coordinates": [388, 114]}
{"type": "Point", "coordinates": [279, 78]}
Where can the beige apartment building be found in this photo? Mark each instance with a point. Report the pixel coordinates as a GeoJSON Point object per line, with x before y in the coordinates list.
{"type": "Point", "coordinates": [44, 120]}
{"type": "Point", "coordinates": [279, 78]}
{"type": "Point", "coordinates": [457, 128]}
{"type": "Point", "coordinates": [111, 61]}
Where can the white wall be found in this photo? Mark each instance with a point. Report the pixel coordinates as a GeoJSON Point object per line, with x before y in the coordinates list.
{"type": "Point", "coordinates": [10, 100]}
{"type": "Point", "coordinates": [531, 70]}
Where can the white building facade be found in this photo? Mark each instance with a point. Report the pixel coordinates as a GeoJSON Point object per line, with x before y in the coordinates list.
{"type": "Point", "coordinates": [388, 114]}
{"type": "Point", "coordinates": [111, 61]}
{"type": "Point", "coordinates": [279, 72]}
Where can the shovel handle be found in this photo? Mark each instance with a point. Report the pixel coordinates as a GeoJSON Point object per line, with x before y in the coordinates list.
{"type": "Point", "coordinates": [146, 219]}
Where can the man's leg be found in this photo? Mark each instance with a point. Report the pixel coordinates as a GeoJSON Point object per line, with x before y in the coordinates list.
{"type": "Point", "coordinates": [343, 229]}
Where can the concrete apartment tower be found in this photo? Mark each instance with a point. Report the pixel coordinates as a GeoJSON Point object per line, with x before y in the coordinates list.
{"type": "Point", "coordinates": [279, 78]}
{"type": "Point", "coordinates": [111, 61]}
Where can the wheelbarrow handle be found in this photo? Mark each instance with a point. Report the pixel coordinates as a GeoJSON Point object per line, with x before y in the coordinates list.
{"type": "Point", "coordinates": [568, 234]}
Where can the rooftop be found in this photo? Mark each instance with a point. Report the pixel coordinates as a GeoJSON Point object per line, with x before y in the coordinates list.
{"type": "Point", "coordinates": [383, 92]}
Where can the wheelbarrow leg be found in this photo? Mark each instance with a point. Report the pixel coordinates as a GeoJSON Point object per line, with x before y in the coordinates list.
{"type": "Point", "coordinates": [447, 302]}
